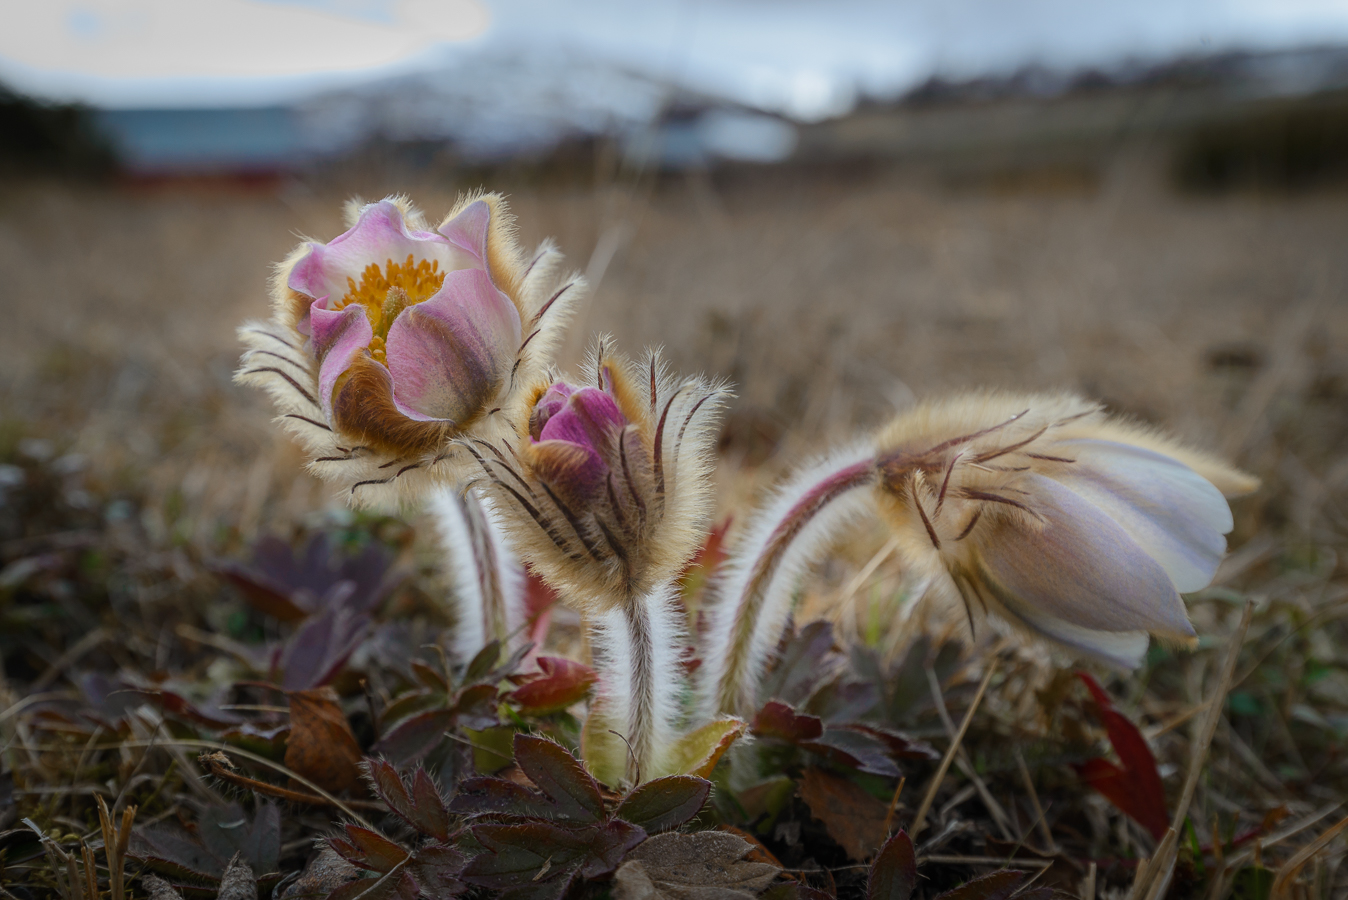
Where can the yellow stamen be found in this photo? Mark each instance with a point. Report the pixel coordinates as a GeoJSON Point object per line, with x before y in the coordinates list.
{"type": "Point", "coordinates": [387, 292]}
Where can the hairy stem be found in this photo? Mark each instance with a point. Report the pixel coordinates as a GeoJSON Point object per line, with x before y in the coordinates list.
{"type": "Point", "coordinates": [637, 646]}
{"type": "Point", "coordinates": [751, 599]}
{"type": "Point", "coordinates": [487, 580]}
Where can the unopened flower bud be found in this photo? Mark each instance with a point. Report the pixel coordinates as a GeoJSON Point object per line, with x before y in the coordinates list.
{"type": "Point", "coordinates": [608, 482]}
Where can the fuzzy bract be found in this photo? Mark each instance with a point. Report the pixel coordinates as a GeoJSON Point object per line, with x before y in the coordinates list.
{"type": "Point", "coordinates": [1046, 514]}
{"type": "Point", "coordinates": [606, 486]}
{"type": "Point", "coordinates": [391, 341]}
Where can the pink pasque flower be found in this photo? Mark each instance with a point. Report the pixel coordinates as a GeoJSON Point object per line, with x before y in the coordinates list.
{"type": "Point", "coordinates": [392, 340]}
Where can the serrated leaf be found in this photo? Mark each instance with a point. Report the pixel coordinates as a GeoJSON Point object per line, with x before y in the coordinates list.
{"type": "Point", "coordinates": [411, 703]}
{"type": "Point", "coordinates": [697, 752]}
{"type": "Point", "coordinates": [428, 676]}
{"type": "Point", "coordinates": [664, 803]}
{"type": "Point", "coordinates": [429, 813]}
{"type": "Point", "coordinates": [852, 817]}
{"type": "Point", "coordinates": [894, 872]}
{"type": "Point", "coordinates": [996, 886]}
{"type": "Point", "coordinates": [436, 869]}
{"type": "Point", "coordinates": [373, 851]}
{"type": "Point", "coordinates": [483, 794]}
{"type": "Point", "coordinates": [422, 807]}
{"type": "Point", "coordinates": [705, 864]}
{"type": "Point", "coordinates": [518, 854]}
{"type": "Point", "coordinates": [800, 665]}
{"type": "Point", "coordinates": [388, 786]}
{"type": "Point", "coordinates": [561, 777]}
{"type": "Point", "coordinates": [397, 887]}
{"type": "Point", "coordinates": [610, 844]}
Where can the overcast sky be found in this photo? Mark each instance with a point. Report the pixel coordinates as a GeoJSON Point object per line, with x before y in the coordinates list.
{"type": "Point", "coordinates": [808, 58]}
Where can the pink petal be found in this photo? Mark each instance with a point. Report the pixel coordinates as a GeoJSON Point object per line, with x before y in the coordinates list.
{"type": "Point", "coordinates": [1079, 568]}
{"type": "Point", "coordinates": [380, 235]}
{"type": "Point", "coordinates": [339, 337]}
{"type": "Point", "coordinates": [548, 406]}
{"type": "Point", "coordinates": [590, 418]}
{"type": "Point", "coordinates": [1170, 510]}
{"type": "Point", "coordinates": [450, 355]}
{"type": "Point", "coordinates": [468, 230]}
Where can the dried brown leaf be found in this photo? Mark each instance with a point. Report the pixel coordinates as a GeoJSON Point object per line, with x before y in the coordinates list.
{"type": "Point", "coordinates": [158, 888]}
{"type": "Point", "coordinates": [239, 882]}
{"type": "Point", "coordinates": [853, 818]}
{"type": "Point", "coordinates": [705, 865]}
{"type": "Point", "coordinates": [322, 747]}
{"type": "Point", "coordinates": [324, 874]}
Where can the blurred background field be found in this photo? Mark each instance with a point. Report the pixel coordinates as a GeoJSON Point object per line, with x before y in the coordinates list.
{"type": "Point", "coordinates": [1168, 238]}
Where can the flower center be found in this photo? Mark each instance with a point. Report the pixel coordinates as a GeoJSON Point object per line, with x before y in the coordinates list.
{"type": "Point", "coordinates": [386, 292]}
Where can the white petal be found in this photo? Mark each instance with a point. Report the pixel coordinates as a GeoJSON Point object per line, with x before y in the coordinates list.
{"type": "Point", "coordinates": [1077, 566]}
{"type": "Point", "coordinates": [1124, 649]}
{"type": "Point", "coordinates": [1171, 511]}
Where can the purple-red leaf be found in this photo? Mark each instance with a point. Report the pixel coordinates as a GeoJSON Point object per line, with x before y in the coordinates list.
{"type": "Point", "coordinates": [609, 845]}
{"type": "Point", "coordinates": [422, 808]}
{"type": "Point", "coordinates": [563, 682]}
{"type": "Point", "coordinates": [558, 775]}
{"type": "Point", "coordinates": [1135, 787]}
{"type": "Point", "coordinates": [996, 886]}
{"type": "Point", "coordinates": [520, 854]}
{"type": "Point", "coordinates": [665, 803]}
{"type": "Point", "coordinates": [373, 851]}
{"type": "Point", "coordinates": [778, 720]}
{"type": "Point", "coordinates": [484, 794]}
{"type": "Point", "coordinates": [894, 872]}
{"type": "Point", "coordinates": [429, 813]}
{"type": "Point", "coordinates": [389, 787]}
{"type": "Point", "coordinates": [476, 707]}
{"type": "Point", "coordinates": [897, 745]}
{"type": "Point", "coordinates": [437, 869]}
{"type": "Point", "coordinates": [413, 738]}
{"type": "Point", "coordinates": [854, 749]}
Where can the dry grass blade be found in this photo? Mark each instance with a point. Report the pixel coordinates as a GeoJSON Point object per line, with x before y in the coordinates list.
{"type": "Point", "coordinates": [920, 820]}
{"type": "Point", "coordinates": [860, 578]}
{"type": "Point", "coordinates": [1050, 846]}
{"type": "Point", "coordinates": [1153, 880]}
{"type": "Point", "coordinates": [90, 872]}
{"type": "Point", "coordinates": [994, 808]}
{"type": "Point", "coordinates": [115, 841]}
{"type": "Point", "coordinates": [1282, 881]}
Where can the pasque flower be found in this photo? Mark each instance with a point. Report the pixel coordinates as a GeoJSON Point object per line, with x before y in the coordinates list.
{"type": "Point", "coordinates": [609, 481]}
{"type": "Point", "coordinates": [392, 340]}
{"type": "Point", "coordinates": [1035, 510]}
{"type": "Point", "coordinates": [1045, 513]}
{"type": "Point", "coordinates": [606, 490]}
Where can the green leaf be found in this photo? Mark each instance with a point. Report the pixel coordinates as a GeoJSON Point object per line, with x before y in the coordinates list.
{"type": "Point", "coordinates": [665, 803]}
{"type": "Point", "coordinates": [697, 752]}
